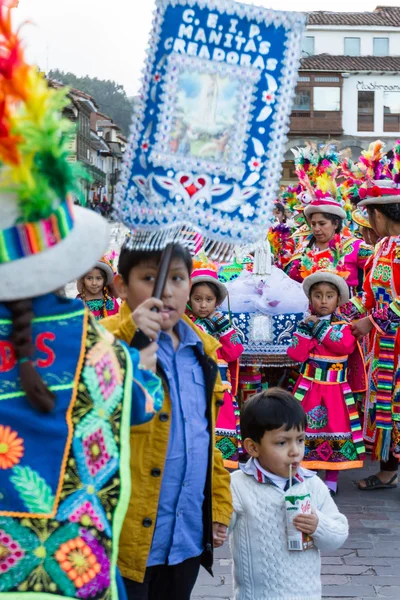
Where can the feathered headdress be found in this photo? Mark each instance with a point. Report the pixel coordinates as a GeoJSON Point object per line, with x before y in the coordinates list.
{"type": "Point", "coordinates": [373, 176]}
{"type": "Point", "coordinates": [34, 140]}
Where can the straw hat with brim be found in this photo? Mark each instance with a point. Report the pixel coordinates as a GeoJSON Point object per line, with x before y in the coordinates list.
{"type": "Point", "coordinates": [35, 273]}
{"type": "Point", "coordinates": [325, 206]}
{"type": "Point", "coordinates": [210, 276]}
{"type": "Point", "coordinates": [360, 216]}
{"type": "Point", "coordinates": [327, 277]}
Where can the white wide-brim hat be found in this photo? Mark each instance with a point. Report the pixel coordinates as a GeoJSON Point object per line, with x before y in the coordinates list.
{"type": "Point", "coordinates": [51, 269]}
{"type": "Point", "coordinates": [326, 207]}
{"type": "Point", "coordinates": [386, 188]}
{"type": "Point", "coordinates": [326, 276]}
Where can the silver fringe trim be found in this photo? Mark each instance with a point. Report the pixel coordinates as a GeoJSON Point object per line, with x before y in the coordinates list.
{"type": "Point", "coordinates": [151, 241]}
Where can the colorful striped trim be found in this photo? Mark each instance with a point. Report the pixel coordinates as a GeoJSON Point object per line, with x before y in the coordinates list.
{"type": "Point", "coordinates": [355, 424]}
{"type": "Point", "coordinates": [28, 239]}
{"type": "Point", "coordinates": [332, 375]}
{"type": "Point", "coordinates": [385, 382]}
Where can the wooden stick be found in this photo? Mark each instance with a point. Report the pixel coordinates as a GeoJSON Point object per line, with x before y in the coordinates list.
{"type": "Point", "coordinates": [161, 279]}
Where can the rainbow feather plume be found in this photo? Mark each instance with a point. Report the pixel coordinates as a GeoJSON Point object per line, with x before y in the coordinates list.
{"type": "Point", "coordinates": [34, 139]}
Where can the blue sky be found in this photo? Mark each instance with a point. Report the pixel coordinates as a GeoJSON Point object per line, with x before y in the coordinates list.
{"type": "Point", "coordinates": [107, 38]}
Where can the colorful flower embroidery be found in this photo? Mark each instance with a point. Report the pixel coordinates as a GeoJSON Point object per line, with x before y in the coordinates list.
{"type": "Point", "coordinates": [95, 451]}
{"type": "Point", "coordinates": [11, 447]}
{"type": "Point", "coordinates": [317, 418]}
{"type": "Point", "coordinates": [10, 552]}
{"type": "Point", "coordinates": [78, 561]}
{"type": "Point", "coordinates": [337, 367]}
{"type": "Point", "coordinates": [336, 334]}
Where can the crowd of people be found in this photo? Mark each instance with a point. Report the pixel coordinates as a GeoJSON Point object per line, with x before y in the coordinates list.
{"type": "Point", "coordinates": [124, 464]}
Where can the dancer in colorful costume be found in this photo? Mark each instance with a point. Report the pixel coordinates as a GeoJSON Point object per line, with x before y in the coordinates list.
{"type": "Point", "coordinates": [97, 291]}
{"type": "Point", "coordinates": [206, 295]}
{"type": "Point", "coordinates": [325, 215]}
{"type": "Point", "coordinates": [68, 390]}
{"type": "Point", "coordinates": [381, 304]}
{"type": "Point", "coordinates": [332, 370]}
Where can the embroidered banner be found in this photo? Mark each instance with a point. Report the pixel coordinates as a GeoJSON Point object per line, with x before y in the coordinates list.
{"type": "Point", "coordinates": [208, 137]}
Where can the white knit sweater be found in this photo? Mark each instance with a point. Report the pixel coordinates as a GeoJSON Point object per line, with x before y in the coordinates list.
{"type": "Point", "coordinates": [263, 567]}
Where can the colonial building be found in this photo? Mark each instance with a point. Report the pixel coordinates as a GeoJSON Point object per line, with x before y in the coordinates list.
{"type": "Point", "coordinates": [98, 144]}
{"type": "Point", "coordinates": [349, 84]}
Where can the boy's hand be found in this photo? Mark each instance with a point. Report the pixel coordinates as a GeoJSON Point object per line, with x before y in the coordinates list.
{"type": "Point", "coordinates": [220, 534]}
{"type": "Point", "coordinates": [148, 357]}
{"type": "Point", "coordinates": [306, 523]}
{"type": "Point", "coordinates": [147, 320]}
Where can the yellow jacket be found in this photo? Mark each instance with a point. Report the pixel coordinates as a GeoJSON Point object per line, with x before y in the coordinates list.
{"type": "Point", "coordinates": [149, 443]}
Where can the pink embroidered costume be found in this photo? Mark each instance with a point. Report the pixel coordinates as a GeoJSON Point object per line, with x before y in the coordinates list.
{"type": "Point", "coordinates": [354, 253]}
{"type": "Point", "coordinates": [317, 170]}
{"type": "Point", "coordinates": [333, 435]}
{"type": "Point", "coordinates": [227, 430]}
{"type": "Point", "coordinates": [377, 184]}
{"type": "Point", "coordinates": [381, 300]}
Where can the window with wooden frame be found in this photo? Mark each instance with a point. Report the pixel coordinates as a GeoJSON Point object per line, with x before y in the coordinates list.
{"type": "Point", "coordinates": [366, 111]}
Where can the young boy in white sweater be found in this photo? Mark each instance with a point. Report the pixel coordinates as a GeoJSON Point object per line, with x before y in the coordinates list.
{"type": "Point", "coordinates": [272, 425]}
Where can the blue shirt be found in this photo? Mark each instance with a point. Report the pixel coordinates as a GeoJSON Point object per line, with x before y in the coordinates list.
{"type": "Point", "coordinates": [178, 533]}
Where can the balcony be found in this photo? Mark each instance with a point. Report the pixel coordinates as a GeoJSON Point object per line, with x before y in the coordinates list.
{"type": "Point", "coordinates": [316, 122]}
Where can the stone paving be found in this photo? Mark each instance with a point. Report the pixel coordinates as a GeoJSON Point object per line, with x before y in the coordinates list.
{"type": "Point", "coordinates": [366, 567]}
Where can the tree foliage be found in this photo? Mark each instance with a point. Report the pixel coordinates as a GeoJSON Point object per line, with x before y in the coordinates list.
{"type": "Point", "coordinates": [109, 95]}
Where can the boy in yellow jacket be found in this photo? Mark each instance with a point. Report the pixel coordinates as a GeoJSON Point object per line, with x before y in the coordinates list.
{"type": "Point", "coordinates": [180, 503]}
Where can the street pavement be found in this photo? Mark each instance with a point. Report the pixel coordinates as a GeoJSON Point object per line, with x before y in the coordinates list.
{"type": "Point", "coordinates": [365, 568]}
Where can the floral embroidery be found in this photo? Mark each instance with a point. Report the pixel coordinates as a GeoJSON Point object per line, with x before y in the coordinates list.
{"type": "Point", "coordinates": [295, 342]}
{"type": "Point", "coordinates": [317, 418]}
{"type": "Point", "coordinates": [11, 447]}
{"type": "Point", "coordinates": [70, 555]}
{"type": "Point", "coordinates": [336, 334]}
{"type": "Point", "coordinates": [337, 367]}
{"type": "Point", "coordinates": [10, 552]}
{"type": "Point", "coordinates": [78, 561]}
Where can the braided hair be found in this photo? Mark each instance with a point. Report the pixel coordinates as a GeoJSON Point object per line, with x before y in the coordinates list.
{"type": "Point", "coordinates": [32, 384]}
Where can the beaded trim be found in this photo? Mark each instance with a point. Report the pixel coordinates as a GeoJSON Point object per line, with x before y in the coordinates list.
{"type": "Point", "coordinates": [27, 239]}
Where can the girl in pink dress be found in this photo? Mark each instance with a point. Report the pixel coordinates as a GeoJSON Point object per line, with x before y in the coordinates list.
{"type": "Point", "coordinates": [331, 364]}
{"type": "Point", "coordinates": [206, 295]}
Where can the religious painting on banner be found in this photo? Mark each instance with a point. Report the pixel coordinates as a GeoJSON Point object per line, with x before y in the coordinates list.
{"type": "Point", "coordinates": [208, 138]}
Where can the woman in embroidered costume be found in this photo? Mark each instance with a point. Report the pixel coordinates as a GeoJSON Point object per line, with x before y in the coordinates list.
{"type": "Point", "coordinates": [328, 351]}
{"type": "Point", "coordinates": [317, 172]}
{"type": "Point", "coordinates": [381, 303]}
{"type": "Point", "coordinates": [96, 289]}
{"type": "Point", "coordinates": [65, 400]}
{"type": "Point", "coordinates": [206, 295]}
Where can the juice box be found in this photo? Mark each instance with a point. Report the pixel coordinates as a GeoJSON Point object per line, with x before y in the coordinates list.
{"type": "Point", "coordinates": [297, 505]}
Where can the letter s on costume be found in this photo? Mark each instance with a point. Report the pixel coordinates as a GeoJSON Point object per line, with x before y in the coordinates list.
{"type": "Point", "coordinates": [41, 346]}
{"type": "Point", "coordinates": [8, 360]}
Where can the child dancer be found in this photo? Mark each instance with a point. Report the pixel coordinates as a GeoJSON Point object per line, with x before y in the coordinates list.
{"type": "Point", "coordinates": [332, 370]}
{"type": "Point", "coordinates": [96, 290]}
{"type": "Point", "coordinates": [272, 426]}
{"type": "Point", "coordinates": [206, 295]}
